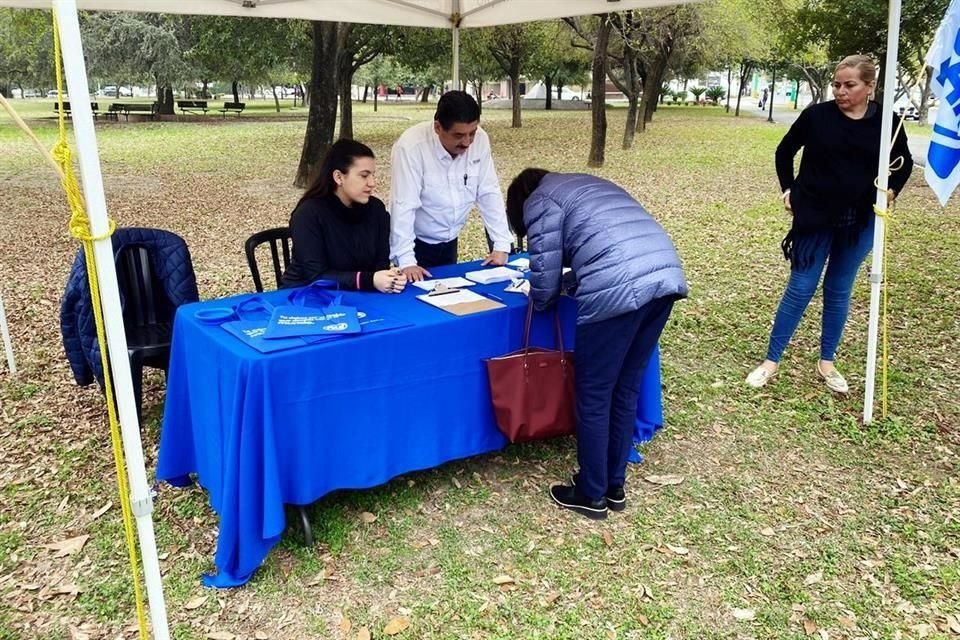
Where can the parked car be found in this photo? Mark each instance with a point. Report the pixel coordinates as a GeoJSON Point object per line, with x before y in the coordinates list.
{"type": "Point", "coordinates": [910, 113]}
{"type": "Point", "coordinates": [112, 91]}
{"type": "Point", "coordinates": [53, 93]}
{"type": "Point", "coordinates": [31, 93]}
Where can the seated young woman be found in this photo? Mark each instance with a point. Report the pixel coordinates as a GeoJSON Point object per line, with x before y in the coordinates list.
{"type": "Point", "coordinates": [340, 230]}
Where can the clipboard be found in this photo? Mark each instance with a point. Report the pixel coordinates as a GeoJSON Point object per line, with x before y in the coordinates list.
{"type": "Point", "coordinates": [460, 302]}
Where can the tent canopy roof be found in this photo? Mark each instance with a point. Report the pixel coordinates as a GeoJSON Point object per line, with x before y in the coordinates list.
{"type": "Point", "coordinates": [414, 13]}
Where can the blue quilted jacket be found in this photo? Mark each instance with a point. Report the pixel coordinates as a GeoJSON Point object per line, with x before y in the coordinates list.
{"type": "Point", "coordinates": [620, 256]}
{"type": "Point", "coordinates": [173, 269]}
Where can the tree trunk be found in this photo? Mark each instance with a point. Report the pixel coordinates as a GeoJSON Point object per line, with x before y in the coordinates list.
{"type": "Point", "coordinates": [598, 104]}
{"type": "Point", "coordinates": [235, 86]}
{"type": "Point", "coordinates": [653, 85]}
{"type": "Point", "coordinates": [744, 72]}
{"type": "Point", "coordinates": [924, 109]}
{"type": "Point", "coordinates": [773, 87]}
{"type": "Point", "coordinates": [478, 91]}
{"type": "Point", "coordinates": [560, 86]}
{"type": "Point", "coordinates": [165, 100]}
{"type": "Point", "coordinates": [345, 79]}
{"type": "Point", "coordinates": [515, 91]}
{"type": "Point", "coordinates": [425, 94]}
{"type": "Point", "coordinates": [548, 85]}
{"type": "Point", "coordinates": [322, 118]}
{"type": "Point", "coordinates": [630, 130]}
{"type": "Point", "coordinates": [729, 85]}
{"type": "Point", "coordinates": [366, 92]}
{"type": "Point", "coordinates": [276, 98]}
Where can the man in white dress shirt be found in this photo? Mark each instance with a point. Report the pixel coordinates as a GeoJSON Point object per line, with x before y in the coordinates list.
{"type": "Point", "coordinates": [439, 170]}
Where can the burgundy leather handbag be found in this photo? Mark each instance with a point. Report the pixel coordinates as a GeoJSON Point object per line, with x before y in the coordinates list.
{"type": "Point", "coordinates": [532, 389]}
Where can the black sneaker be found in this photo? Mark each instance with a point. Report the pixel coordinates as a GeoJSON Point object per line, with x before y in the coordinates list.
{"type": "Point", "coordinates": [570, 498]}
{"type": "Point", "coordinates": [616, 496]}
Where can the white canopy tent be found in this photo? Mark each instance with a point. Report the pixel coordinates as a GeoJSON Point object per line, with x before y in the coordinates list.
{"type": "Point", "coordinates": [448, 14]}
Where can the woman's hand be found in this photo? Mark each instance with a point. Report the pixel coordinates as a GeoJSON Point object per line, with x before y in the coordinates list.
{"type": "Point", "coordinates": [786, 201]}
{"type": "Point", "coordinates": [389, 281]}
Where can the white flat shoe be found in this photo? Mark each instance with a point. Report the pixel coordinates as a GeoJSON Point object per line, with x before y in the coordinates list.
{"type": "Point", "coordinates": [759, 377]}
{"type": "Point", "coordinates": [834, 381]}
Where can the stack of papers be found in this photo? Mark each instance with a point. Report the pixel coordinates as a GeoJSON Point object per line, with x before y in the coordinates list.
{"type": "Point", "coordinates": [489, 276]}
{"type": "Point", "coordinates": [523, 264]}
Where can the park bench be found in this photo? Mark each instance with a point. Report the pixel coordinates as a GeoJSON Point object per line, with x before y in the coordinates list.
{"type": "Point", "coordinates": [149, 108]}
{"type": "Point", "coordinates": [232, 107]}
{"type": "Point", "coordinates": [192, 106]}
{"type": "Point", "coordinates": [114, 111]}
{"type": "Point", "coordinates": [94, 107]}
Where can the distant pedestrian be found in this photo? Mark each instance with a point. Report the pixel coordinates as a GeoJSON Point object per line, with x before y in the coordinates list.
{"type": "Point", "coordinates": [763, 98]}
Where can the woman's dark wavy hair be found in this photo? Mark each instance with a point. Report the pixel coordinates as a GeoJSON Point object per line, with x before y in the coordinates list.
{"type": "Point", "coordinates": [339, 157]}
{"type": "Point", "coordinates": [520, 189]}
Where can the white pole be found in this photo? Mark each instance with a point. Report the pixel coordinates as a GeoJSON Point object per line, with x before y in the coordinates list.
{"type": "Point", "coordinates": [89, 160]}
{"type": "Point", "coordinates": [7, 343]}
{"type": "Point", "coordinates": [876, 269]}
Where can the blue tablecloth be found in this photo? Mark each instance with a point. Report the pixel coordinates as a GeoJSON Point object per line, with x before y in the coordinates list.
{"type": "Point", "coordinates": [264, 430]}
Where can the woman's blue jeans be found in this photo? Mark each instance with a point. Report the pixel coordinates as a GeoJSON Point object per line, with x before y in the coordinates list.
{"type": "Point", "coordinates": [843, 262]}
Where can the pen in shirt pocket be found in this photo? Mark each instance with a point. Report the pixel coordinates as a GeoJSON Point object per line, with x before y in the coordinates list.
{"type": "Point", "coordinates": [464, 179]}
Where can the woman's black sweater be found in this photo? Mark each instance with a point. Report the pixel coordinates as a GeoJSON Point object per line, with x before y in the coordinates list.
{"type": "Point", "coordinates": [336, 242]}
{"type": "Point", "coordinates": [833, 192]}
{"type": "Point", "coordinates": [839, 162]}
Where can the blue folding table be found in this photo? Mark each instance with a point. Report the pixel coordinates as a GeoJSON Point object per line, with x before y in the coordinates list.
{"type": "Point", "coordinates": [259, 431]}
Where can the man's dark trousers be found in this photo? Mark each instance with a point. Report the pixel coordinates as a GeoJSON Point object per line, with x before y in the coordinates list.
{"type": "Point", "coordinates": [611, 356]}
{"type": "Point", "coordinates": [435, 255]}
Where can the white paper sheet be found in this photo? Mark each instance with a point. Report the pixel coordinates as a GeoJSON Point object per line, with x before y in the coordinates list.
{"type": "Point", "coordinates": [449, 299]}
{"type": "Point", "coordinates": [450, 283]}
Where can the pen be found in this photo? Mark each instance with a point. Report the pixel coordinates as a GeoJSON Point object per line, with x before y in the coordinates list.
{"type": "Point", "coordinates": [464, 179]}
{"type": "Point", "coordinates": [490, 295]}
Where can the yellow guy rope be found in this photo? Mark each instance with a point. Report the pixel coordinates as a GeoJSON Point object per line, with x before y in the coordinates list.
{"type": "Point", "coordinates": [60, 160]}
{"type": "Point", "coordinates": [887, 216]}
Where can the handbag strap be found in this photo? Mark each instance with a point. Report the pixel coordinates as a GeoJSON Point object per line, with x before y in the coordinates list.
{"type": "Point", "coordinates": [556, 322]}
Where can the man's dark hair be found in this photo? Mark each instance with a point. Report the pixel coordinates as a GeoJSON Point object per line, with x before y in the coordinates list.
{"type": "Point", "coordinates": [520, 189]}
{"type": "Point", "coordinates": [456, 106]}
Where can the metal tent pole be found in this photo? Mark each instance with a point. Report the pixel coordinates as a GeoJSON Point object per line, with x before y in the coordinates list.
{"type": "Point", "coordinates": [92, 180]}
{"type": "Point", "coordinates": [876, 268]}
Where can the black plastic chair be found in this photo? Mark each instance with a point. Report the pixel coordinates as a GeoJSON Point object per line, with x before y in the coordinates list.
{"type": "Point", "coordinates": [147, 316]}
{"type": "Point", "coordinates": [279, 239]}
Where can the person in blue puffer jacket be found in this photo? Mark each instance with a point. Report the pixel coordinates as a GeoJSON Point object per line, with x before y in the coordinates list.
{"type": "Point", "coordinates": [627, 275]}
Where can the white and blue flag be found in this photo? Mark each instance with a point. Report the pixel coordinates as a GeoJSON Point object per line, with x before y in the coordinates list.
{"type": "Point", "coordinates": [943, 158]}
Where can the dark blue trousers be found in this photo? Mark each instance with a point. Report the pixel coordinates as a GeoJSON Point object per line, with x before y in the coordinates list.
{"type": "Point", "coordinates": [611, 356]}
{"type": "Point", "coordinates": [435, 255]}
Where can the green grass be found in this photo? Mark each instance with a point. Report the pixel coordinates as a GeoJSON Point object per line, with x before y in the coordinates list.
{"type": "Point", "coordinates": [779, 485]}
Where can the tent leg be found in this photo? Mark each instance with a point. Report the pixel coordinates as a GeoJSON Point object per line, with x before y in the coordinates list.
{"type": "Point", "coordinates": [92, 179]}
{"type": "Point", "coordinates": [7, 343]}
{"type": "Point", "coordinates": [876, 269]}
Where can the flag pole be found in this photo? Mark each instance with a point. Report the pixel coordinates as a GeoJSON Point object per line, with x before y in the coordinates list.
{"type": "Point", "coordinates": [876, 267]}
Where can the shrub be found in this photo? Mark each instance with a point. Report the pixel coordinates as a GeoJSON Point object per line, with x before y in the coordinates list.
{"type": "Point", "coordinates": [716, 94]}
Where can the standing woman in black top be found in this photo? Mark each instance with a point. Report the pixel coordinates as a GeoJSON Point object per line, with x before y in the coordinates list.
{"type": "Point", "coordinates": [831, 200]}
{"type": "Point", "coordinates": [340, 231]}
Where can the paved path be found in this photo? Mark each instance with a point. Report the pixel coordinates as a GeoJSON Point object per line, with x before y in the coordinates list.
{"type": "Point", "coordinates": [787, 116]}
